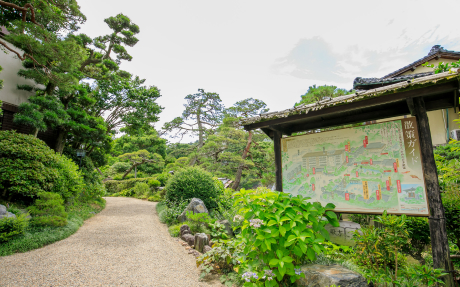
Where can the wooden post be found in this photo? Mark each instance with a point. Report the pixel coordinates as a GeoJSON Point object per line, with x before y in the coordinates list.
{"type": "Point", "coordinates": [278, 172]}
{"type": "Point", "coordinates": [437, 221]}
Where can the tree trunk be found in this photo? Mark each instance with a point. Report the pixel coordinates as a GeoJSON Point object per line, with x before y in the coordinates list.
{"type": "Point", "coordinates": [129, 170]}
{"type": "Point", "coordinates": [135, 171]}
{"type": "Point", "coordinates": [35, 132]}
{"type": "Point", "coordinates": [60, 141]}
{"type": "Point", "coordinates": [200, 138]}
{"type": "Point", "coordinates": [241, 165]}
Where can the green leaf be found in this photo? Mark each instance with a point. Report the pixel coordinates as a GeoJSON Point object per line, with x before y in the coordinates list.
{"type": "Point", "coordinates": [271, 222]}
{"type": "Point", "coordinates": [331, 214]}
{"type": "Point", "coordinates": [273, 262]}
{"type": "Point", "coordinates": [287, 259]}
{"type": "Point", "coordinates": [325, 234]}
{"type": "Point", "coordinates": [311, 254]}
{"type": "Point", "coordinates": [282, 230]}
{"type": "Point", "coordinates": [291, 238]}
{"type": "Point", "coordinates": [282, 271]}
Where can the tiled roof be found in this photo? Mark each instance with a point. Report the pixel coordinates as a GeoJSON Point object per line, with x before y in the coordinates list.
{"type": "Point", "coordinates": [394, 77]}
{"type": "Point", "coordinates": [357, 96]}
{"type": "Point", "coordinates": [436, 51]}
{"type": "Point", "coordinates": [364, 83]}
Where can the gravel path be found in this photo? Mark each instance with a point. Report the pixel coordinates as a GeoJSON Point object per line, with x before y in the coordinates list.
{"type": "Point", "coordinates": [124, 245]}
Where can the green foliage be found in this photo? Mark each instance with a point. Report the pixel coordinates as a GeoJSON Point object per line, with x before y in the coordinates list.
{"type": "Point", "coordinates": [279, 232]}
{"type": "Point", "coordinates": [48, 210]}
{"type": "Point", "coordinates": [442, 66]}
{"type": "Point", "coordinates": [114, 186]}
{"type": "Point", "coordinates": [419, 237]}
{"type": "Point", "coordinates": [193, 182]}
{"type": "Point", "coordinates": [11, 227]}
{"type": "Point", "coordinates": [119, 167]}
{"type": "Point", "coordinates": [163, 178]}
{"type": "Point", "coordinates": [451, 202]}
{"type": "Point", "coordinates": [148, 140]}
{"type": "Point", "coordinates": [155, 198]}
{"type": "Point", "coordinates": [169, 211]}
{"type": "Point", "coordinates": [153, 183]}
{"type": "Point", "coordinates": [174, 230]}
{"type": "Point", "coordinates": [39, 236]}
{"type": "Point", "coordinates": [28, 166]}
{"type": "Point", "coordinates": [198, 221]}
{"type": "Point", "coordinates": [362, 219]}
{"type": "Point", "coordinates": [141, 189]}
{"type": "Point", "coordinates": [316, 94]}
{"type": "Point", "coordinates": [218, 231]}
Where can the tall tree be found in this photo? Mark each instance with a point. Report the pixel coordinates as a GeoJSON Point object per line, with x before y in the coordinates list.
{"type": "Point", "coordinates": [202, 115]}
{"type": "Point", "coordinates": [140, 157]}
{"type": "Point", "coordinates": [316, 94]}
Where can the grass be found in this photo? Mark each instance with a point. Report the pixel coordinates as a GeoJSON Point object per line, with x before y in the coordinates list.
{"type": "Point", "coordinates": [37, 237]}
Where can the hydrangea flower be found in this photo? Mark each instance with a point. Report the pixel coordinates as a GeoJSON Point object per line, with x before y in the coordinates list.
{"type": "Point", "coordinates": [268, 274]}
{"type": "Point", "coordinates": [256, 223]}
{"type": "Point", "coordinates": [248, 275]}
{"type": "Point", "coordinates": [297, 271]}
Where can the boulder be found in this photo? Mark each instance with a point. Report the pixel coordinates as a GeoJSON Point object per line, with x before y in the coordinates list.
{"type": "Point", "coordinates": [320, 275]}
{"type": "Point", "coordinates": [2, 209]}
{"type": "Point", "coordinates": [201, 240]}
{"type": "Point", "coordinates": [190, 239]}
{"type": "Point", "coordinates": [196, 205]}
{"type": "Point", "coordinates": [206, 248]}
{"type": "Point", "coordinates": [7, 214]}
{"type": "Point", "coordinates": [183, 228]}
{"type": "Point", "coordinates": [228, 227]}
{"type": "Point", "coordinates": [343, 235]}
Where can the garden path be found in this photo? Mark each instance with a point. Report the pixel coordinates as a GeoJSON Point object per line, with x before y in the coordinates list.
{"type": "Point", "coordinates": [124, 245]}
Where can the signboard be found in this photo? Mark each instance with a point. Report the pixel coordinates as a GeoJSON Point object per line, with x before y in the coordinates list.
{"type": "Point", "coordinates": [365, 169]}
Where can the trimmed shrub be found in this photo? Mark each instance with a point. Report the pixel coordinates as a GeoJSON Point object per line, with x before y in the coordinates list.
{"type": "Point", "coordinates": [193, 182]}
{"type": "Point", "coordinates": [119, 167]}
{"type": "Point", "coordinates": [155, 198]}
{"type": "Point", "coordinates": [141, 189]}
{"type": "Point", "coordinates": [114, 186]}
{"type": "Point", "coordinates": [49, 210]}
{"type": "Point", "coordinates": [153, 183]}
{"type": "Point", "coordinates": [28, 166]}
{"type": "Point", "coordinates": [163, 178]}
{"type": "Point", "coordinates": [174, 230]}
{"type": "Point", "coordinates": [10, 227]}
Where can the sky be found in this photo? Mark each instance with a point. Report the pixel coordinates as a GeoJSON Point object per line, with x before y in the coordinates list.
{"type": "Point", "coordinates": [271, 50]}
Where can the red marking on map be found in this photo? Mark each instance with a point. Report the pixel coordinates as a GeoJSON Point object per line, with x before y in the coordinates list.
{"type": "Point", "coordinates": [347, 174]}
{"type": "Point", "coordinates": [387, 171]}
{"type": "Point", "coordinates": [357, 174]}
{"type": "Point", "coordinates": [377, 192]}
{"type": "Point", "coordinates": [388, 185]}
{"type": "Point", "coordinates": [364, 162]}
{"type": "Point", "coordinates": [347, 158]}
{"type": "Point", "coordinates": [355, 163]}
{"type": "Point", "coordinates": [367, 141]}
{"type": "Point", "coordinates": [370, 161]}
{"type": "Point", "coordinates": [346, 148]}
{"type": "Point", "coordinates": [395, 166]}
{"type": "Point", "coordinates": [364, 143]}
{"type": "Point", "coordinates": [314, 171]}
{"type": "Point", "coordinates": [313, 186]}
{"type": "Point", "coordinates": [414, 176]}
{"type": "Point", "coordinates": [398, 183]}
{"type": "Point", "coordinates": [307, 175]}
{"type": "Point", "coordinates": [347, 196]}
{"type": "Point", "coordinates": [406, 171]}
{"type": "Point", "coordinates": [383, 153]}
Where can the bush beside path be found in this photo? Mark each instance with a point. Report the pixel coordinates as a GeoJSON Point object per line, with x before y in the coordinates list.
{"type": "Point", "coordinates": [125, 244]}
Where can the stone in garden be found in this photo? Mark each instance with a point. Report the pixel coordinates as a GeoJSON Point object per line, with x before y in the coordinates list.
{"type": "Point", "coordinates": [228, 227]}
{"type": "Point", "coordinates": [190, 239]}
{"type": "Point", "coordinates": [2, 209]}
{"type": "Point", "coordinates": [201, 240]}
{"type": "Point", "coordinates": [206, 248]}
{"type": "Point", "coordinates": [196, 205]}
{"type": "Point", "coordinates": [183, 228]}
{"type": "Point", "coordinates": [7, 214]}
{"type": "Point", "coordinates": [343, 235]}
{"type": "Point", "coordinates": [320, 275]}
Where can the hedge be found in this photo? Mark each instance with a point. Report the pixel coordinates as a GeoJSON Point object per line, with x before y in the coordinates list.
{"type": "Point", "coordinates": [113, 186]}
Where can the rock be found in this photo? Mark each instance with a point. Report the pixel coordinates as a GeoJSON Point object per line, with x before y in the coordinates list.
{"type": "Point", "coordinates": [7, 215]}
{"type": "Point", "coordinates": [228, 227]}
{"type": "Point", "coordinates": [343, 235]}
{"type": "Point", "coordinates": [2, 209]}
{"type": "Point", "coordinates": [183, 228]}
{"type": "Point", "coordinates": [320, 275]}
{"type": "Point", "coordinates": [201, 240]}
{"type": "Point", "coordinates": [206, 248]}
{"type": "Point", "coordinates": [196, 205]}
{"type": "Point", "coordinates": [190, 239]}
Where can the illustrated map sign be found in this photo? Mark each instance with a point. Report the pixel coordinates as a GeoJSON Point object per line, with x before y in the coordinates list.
{"type": "Point", "coordinates": [365, 169]}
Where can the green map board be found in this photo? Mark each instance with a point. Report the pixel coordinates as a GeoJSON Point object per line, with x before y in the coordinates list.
{"type": "Point", "coordinates": [365, 169]}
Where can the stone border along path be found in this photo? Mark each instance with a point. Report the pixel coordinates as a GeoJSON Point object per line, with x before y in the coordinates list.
{"type": "Point", "coordinates": [124, 245]}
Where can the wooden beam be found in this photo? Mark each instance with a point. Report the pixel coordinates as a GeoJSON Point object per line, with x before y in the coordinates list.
{"type": "Point", "coordinates": [268, 132]}
{"type": "Point", "coordinates": [278, 170]}
{"type": "Point", "coordinates": [422, 92]}
{"type": "Point", "coordinates": [410, 105]}
{"type": "Point", "coordinates": [437, 221]}
{"type": "Point", "coordinates": [397, 110]}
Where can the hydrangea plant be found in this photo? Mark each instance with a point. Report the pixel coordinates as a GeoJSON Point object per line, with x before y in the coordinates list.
{"type": "Point", "coordinates": [279, 232]}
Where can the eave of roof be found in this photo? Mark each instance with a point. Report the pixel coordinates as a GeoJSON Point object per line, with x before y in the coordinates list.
{"type": "Point", "coordinates": [357, 96]}
{"type": "Point", "coordinates": [367, 83]}
{"type": "Point", "coordinates": [436, 52]}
